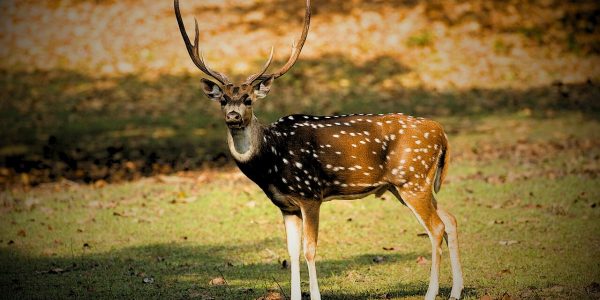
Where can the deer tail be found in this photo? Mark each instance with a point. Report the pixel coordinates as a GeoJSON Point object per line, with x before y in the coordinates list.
{"type": "Point", "coordinates": [442, 167]}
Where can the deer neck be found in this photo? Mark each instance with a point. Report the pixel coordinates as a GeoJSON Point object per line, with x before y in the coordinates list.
{"type": "Point", "coordinates": [244, 144]}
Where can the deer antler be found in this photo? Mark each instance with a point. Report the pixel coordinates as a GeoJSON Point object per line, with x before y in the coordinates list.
{"type": "Point", "coordinates": [193, 49]}
{"type": "Point", "coordinates": [253, 77]}
{"type": "Point", "coordinates": [296, 48]}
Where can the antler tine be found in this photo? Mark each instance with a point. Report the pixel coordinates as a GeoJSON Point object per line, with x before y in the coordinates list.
{"type": "Point", "coordinates": [253, 77]}
{"type": "Point", "coordinates": [217, 75]}
{"type": "Point", "coordinates": [296, 48]}
{"type": "Point", "coordinates": [193, 49]}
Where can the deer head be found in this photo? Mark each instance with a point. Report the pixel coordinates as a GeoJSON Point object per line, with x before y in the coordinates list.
{"type": "Point", "coordinates": [236, 99]}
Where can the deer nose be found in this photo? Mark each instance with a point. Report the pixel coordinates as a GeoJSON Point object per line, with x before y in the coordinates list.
{"type": "Point", "coordinates": [233, 117]}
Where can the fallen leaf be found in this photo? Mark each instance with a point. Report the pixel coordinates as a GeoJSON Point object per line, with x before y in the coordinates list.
{"type": "Point", "coordinates": [22, 233]}
{"type": "Point", "coordinates": [148, 280]}
{"type": "Point", "coordinates": [218, 281]}
{"type": "Point", "coordinates": [271, 295]}
{"type": "Point", "coordinates": [378, 259]}
{"type": "Point", "coordinates": [486, 297]}
{"type": "Point", "coordinates": [422, 260]}
{"type": "Point", "coordinates": [508, 242]}
{"type": "Point", "coordinates": [389, 248]}
{"type": "Point", "coordinates": [504, 272]}
{"type": "Point", "coordinates": [100, 183]}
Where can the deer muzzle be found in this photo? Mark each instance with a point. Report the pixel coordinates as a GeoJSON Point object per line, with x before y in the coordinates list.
{"type": "Point", "coordinates": [233, 119]}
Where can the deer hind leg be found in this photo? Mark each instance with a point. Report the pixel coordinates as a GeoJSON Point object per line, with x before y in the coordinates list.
{"type": "Point", "coordinates": [293, 230]}
{"type": "Point", "coordinates": [423, 206]}
{"type": "Point", "coordinates": [310, 221]}
{"type": "Point", "coordinates": [451, 237]}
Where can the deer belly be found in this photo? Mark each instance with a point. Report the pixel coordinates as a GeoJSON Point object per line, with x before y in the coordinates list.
{"type": "Point", "coordinates": [351, 194]}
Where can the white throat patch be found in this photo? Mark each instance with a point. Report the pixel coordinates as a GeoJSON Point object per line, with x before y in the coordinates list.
{"type": "Point", "coordinates": [243, 143]}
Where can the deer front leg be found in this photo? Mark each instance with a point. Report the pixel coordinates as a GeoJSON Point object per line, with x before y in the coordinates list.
{"type": "Point", "coordinates": [293, 229]}
{"type": "Point", "coordinates": [310, 217]}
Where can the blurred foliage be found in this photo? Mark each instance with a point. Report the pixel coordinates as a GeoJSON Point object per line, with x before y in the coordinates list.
{"type": "Point", "coordinates": [104, 90]}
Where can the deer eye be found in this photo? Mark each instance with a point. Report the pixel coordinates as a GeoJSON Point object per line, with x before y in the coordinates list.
{"type": "Point", "coordinates": [223, 101]}
{"type": "Point", "coordinates": [247, 101]}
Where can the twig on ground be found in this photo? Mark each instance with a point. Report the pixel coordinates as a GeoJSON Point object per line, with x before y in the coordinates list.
{"type": "Point", "coordinates": [282, 292]}
{"type": "Point", "coordinates": [226, 283]}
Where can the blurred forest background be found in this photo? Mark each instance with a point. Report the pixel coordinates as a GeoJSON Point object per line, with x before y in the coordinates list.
{"type": "Point", "coordinates": [103, 91]}
{"type": "Point", "coordinates": [116, 183]}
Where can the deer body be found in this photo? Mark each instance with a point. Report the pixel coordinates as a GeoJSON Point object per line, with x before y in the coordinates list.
{"type": "Point", "coordinates": [323, 158]}
{"type": "Point", "coordinates": [301, 161]}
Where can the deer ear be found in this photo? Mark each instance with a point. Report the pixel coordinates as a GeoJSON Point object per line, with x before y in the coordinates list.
{"type": "Point", "coordinates": [263, 87]}
{"type": "Point", "coordinates": [211, 89]}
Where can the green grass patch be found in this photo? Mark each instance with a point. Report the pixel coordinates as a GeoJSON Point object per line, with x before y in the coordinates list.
{"type": "Point", "coordinates": [168, 237]}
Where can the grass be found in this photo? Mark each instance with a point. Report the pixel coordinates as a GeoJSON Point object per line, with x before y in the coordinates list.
{"type": "Point", "coordinates": [64, 240]}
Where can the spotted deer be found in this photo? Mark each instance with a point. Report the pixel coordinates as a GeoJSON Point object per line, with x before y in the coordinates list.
{"type": "Point", "coordinates": [301, 161]}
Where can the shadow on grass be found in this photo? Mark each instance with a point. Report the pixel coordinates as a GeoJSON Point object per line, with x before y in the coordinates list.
{"type": "Point", "coordinates": [64, 124]}
{"type": "Point", "coordinates": [177, 271]}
